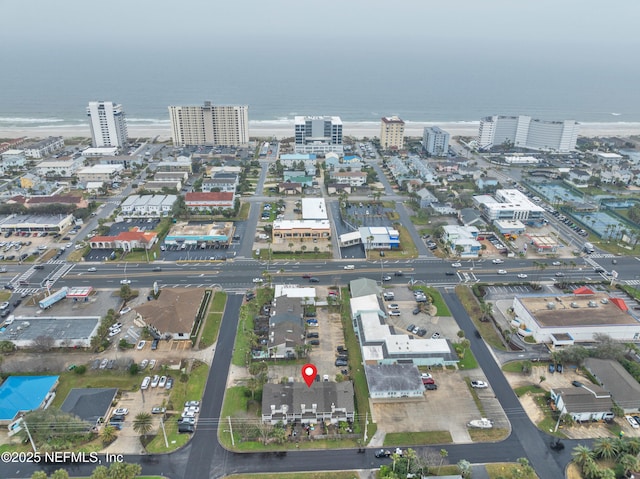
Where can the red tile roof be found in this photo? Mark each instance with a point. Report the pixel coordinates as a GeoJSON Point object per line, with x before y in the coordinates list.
{"type": "Point", "coordinates": [213, 196]}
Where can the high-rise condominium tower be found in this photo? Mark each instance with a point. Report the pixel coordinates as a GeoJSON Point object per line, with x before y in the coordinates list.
{"type": "Point", "coordinates": [209, 125]}
{"type": "Point", "coordinates": [391, 133]}
{"type": "Point", "coordinates": [108, 124]}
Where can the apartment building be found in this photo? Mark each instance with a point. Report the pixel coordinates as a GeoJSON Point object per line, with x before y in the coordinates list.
{"type": "Point", "coordinates": [209, 125]}
{"type": "Point", "coordinates": [108, 124]}
{"type": "Point", "coordinates": [318, 134]}
{"type": "Point", "coordinates": [526, 132]}
{"type": "Point", "coordinates": [391, 133]}
{"type": "Point", "coordinates": [435, 141]}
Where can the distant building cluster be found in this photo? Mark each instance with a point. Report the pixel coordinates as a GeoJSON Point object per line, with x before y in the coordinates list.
{"type": "Point", "coordinates": [526, 132]}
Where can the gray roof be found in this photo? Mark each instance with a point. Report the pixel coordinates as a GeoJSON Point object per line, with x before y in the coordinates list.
{"type": "Point", "coordinates": [363, 287]}
{"type": "Point", "coordinates": [470, 216]}
{"type": "Point", "coordinates": [287, 333]}
{"type": "Point", "coordinates": [392, 377]}
{"type": "Point", "coordinates": [614, 378]}
{"type": "Point", "coordinates": [324, 394]}
{"type": "Point", "coordinates": [89, 404]}
{"type": "Point", "coordinates": [26, 328]}
{"type": "Point", "coordinates": [291, 307]}
{"type": "Point", "coordinates": [590, 398]}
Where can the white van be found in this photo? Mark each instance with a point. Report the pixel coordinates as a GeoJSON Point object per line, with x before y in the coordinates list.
{"type": "Point", "coordinates": [349, 266]}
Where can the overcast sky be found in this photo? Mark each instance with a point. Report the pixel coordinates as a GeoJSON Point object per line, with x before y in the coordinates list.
{"type": "Point", "coordinates": [577, 25]}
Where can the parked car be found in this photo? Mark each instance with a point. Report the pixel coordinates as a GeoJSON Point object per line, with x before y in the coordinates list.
{"type": "Point", "coordinates": [123, 411]}
{"type": "Point", "coordinates": [394, 312]}
{"type": "Point", "coordinates": [314, 342]}
{"type": "Point", "coordinates": [158, 410]}
{"type": "Point", "coordinates": [145, 383]}
{"type": "Point", "coordinates": [552, 368]}
{"type": "Point", "coordinates": [435, 335]}
{"type": "Point", "coordinates": [498, 261]}
{"type": "Point", "coordinates": [313, 335]}
{"type": "Point", "coordinates": [258, 280]}
{"type": "Point", "coordinates": [632, 422]}
{"type": "Point", "coordinates": [479, 384]}
{"type": "Point", "coordinates": [125, 310]}
{"type": "Point", "coordinates": [141, 344]}
{"type": "Point", "coordinates": [341, 362]}
{"type": "Point", "coordinates": [456, 265]}
{"type": "Point", "coordinates": [431, 386]}
{"type": "Point", "coordinates": [382, 453]}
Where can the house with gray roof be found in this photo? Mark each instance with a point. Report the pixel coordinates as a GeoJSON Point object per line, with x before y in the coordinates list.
{"type": "Point", "coordinates": [363, 287]}
{"type": "Point", "coordinates": [324, 401]}
{"type": "Point", "coordinates": [89, 404]}
{"type": "Point", "coordinates": [587, 403]}
{"type": "Point", "coordinates": [624, 389]}
{"type": "Point", "coordinates": [426, 198]}
{"type": "Point", "coordinates": [286, 330]}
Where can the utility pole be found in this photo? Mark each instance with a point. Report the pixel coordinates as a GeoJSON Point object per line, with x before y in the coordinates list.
{"type": "Point", "coordinates": [166, 443]}
{"type": "Point", "coordinates": [33, 444]}
{"type": "Point", "coordinates": [366, 423]}
{"type": "Point", "coordinates": [233, 442]}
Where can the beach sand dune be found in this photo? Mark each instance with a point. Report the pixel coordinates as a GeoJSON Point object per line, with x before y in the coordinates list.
{"type": "Point", "coordinates": [284, 130]}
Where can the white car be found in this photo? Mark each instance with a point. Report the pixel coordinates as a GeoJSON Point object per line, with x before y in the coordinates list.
{"type": "Point", "coordinates": [144, 363]}
{"type": "Point", "coordinates": [498, 261]}
{"type": "Point", "coordinates": [394, 312]}
{"type": "Point", "coordinates": [145, 383]}
{"type": "Point", "coordinates": [92, 270]}
{"type": "Point", "coordinates": [188, 414]}
{"type": "Point", "coordinates": [394, 306]}
{"type": "Point", "coordinates": [632, 422]}
{"type": "Point", "coordinates": [121, 411]}
{"type": "Point", "coordinates": [502, 271]}
{"type": "Point", "coordinates": [522, 276]}
{"type": "Point", "coordinates": [125, 281]}
{"type": "Point", "coordinates": [155, 381]}
{"type": "Point", "coordinates": [115, 326]}
{"type": "Point", "coordinates": [558, 263]}
{"type": "Point", "coordinates": [114, 332]}
{"type": "Point", "coordinates": [258, 280]}
{"type": "Point", "coordinates": [141, 344]}
{"type": "Point", "coordinates": [163, 382]}
{"type": "Point", "coordinates": [152, 364]}
{"type": "Point", "coordinates": [435, 335]}
{"type": "Point", "coordinates": [479, 385]}
{"type": "Point", "coordinates": [125, 310]}
{"type": "Point", "coordinates": [349, 266]}
{"type": "Point", "coordinates": [456, 265]}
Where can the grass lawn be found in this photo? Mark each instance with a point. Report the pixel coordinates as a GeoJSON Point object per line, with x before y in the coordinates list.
{"type": "Point", "coordinates": [468, 360]}
{"type": "Point", "coordinates": [488, 435]}
{"type": "Point", "coordinates": [416, 438]}
{"type": "Point", "coordinates": [190, 390]}
{"type": "Point", "coordinates": [436, 299]}
{"type": "Point", "coordinates": [531, 388]}
{"type": "Point", "coordinates": [214, 319]}
{"type": "Point", "coordinates": [174, 438]}
{"type": "Point", "coordinates": [4, 295]}
{"type": "Point", "coordinates": [471, 305]}
{"type": "Point", "coordinates": [407, 248]}
{"type": "Point", "coordinates": [95, 379]}
{"type": "Point", "coordinates": [513, 367]}
{"type": "Point", "coordinates": [506, 470]}
{"type": "Point", "coordinates": [299, 475]}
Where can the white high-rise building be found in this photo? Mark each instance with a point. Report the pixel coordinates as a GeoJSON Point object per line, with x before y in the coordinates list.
{"type": "Point", "coordinates": [318, 134]}
{"type": "Point", "coordinates": [391, 133]}
{"type": "Point", "coordinates": [108, 124]}
{"type": "Point", "coordinates": [525, 132]}
{"type": "Point", "coordinates": [435, 141]}
{"type": "Point", "coordinates": [209, 125]}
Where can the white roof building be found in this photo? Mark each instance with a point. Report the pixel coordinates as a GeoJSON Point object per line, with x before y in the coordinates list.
{"type": "Point", "coordinates": [314, 209]}
{"type": "Point", "coordinates": [508, 204]}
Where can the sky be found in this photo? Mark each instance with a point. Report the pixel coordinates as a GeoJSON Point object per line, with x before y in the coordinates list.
{"type": "Point", "coordinates": [476, 26]}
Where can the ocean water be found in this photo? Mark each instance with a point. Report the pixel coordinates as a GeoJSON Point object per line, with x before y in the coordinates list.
{"type": "Point", "coordinates": [279, 82]}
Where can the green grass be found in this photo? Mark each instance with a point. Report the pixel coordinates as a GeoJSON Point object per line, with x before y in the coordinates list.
{"type": "Point", "coordinates": [417, 438]}
{"type": "Point", "coordinates": [468, 361]}
{"type": "Point", "coordinates": [488, 435]}
{"type": "Point", "coordinates": [531, 388]}
{"type": "Point", "coordinates": [436, 300]}
{"type": "Point", "coordinates": [407, 248]}
{"type": "Point", "coordinates": [505, 470]}
{"type": "Point", "coordinates": [471, 305]}
{"type": "Point", "coordinates": [360, 386]}
{"type": "Point", "coordinates": [174, 438]}
{"type": "Point", "coordinates": [94, 379]}
{"type": "Point", "coordinates": [192, 389]}
{"type": "Point", "coordinates": [4, 295]}
{"type": "Point", "coordinates": [214, 319]}
{"type": "Point", "coordinates": [513, 367]}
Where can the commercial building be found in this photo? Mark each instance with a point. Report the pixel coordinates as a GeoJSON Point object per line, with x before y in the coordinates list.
{"type": "Point", "coordinates": [209, 125]}
{"type": "Point", "coordinates": [99, 173]}
{"type": "Point", "coordinates": [462, 240]}
{"type": "Point", "coordinates": [40, 149]}
{"type": "Point", "coordinates": [59, 331]}
{"type": "Point", "coordinates": [325, 402]}
{"type": "Point", "coordinates": [126, 240]}
{"type": "Point", "coordinates": [287, 230]}
{"type": "Point", "coordinates": [615, 379]}
{"type": "Point", "coordinates": [379, 237]}
{"type": "Point", "coordinates": [108, 124]}
{"type": "Point", "coordinates": [508, 204]}
{"type": "Point", "coordinates": [148, 205]}
{"type": "Point", "coordinates": [318, 134]}
{"type": "Point", "coordinates": [173, 314]}
{"type": "Point", "coordinates": [92, 405]}
{"type": "Point", "coordinates": [389, 381]}
{"type": "Point", "coordinates": [101, 151]}
{"type": "Point", "coordinates": [205, 202]}
{"type": "Point", "coordinates": [572, 318]}
{"type": "Point", "coordinates": [526, 132]}
{"type": "Point", "coordinates": [351, 178]}
{"type": "Point", "coordinates": [391, 133]}
{"type": "Point", "coordinates": [314, 209]}
{"type": "Point", "coordinates": [21, 394]}
{"type": "Point", "coordinates": [586, 403]}
{"type": "Point", "coordinates": [49, 223]}
{"type": "Point", "coordinates": [198, 233]}
{"type": "Point", "coordinates": [181, 163]}
{"type": "Point", "coordinates": [435, 141]}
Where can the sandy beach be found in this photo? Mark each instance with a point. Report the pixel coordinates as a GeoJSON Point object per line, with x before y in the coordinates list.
{"type": "Point", "coordinates": [278, 129]}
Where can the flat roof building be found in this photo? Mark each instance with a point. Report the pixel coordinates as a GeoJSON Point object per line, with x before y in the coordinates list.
{"type": "Point", "coordinates": [435, 141]}
{"type": "Point", "coordinates": [45, 147]}
{"type": "Point", "coordinates": [391, 133]}
{"type": "Point", "coordinates": [199, 233]}
{"type": "Point", "coordinates": [21, 394]}
{"type": "Point", "coordinates": [61, 331]}
{"type": "Point", "coordinates": [99, 173]}
{"type": "Point", "coordinates": [314, 209]}
{"type": "Point", "coordinates": [509, 204]}
{"type": "Point", "coordinates": [525, 132]}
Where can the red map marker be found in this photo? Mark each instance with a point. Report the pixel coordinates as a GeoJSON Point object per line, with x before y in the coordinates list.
{"type": "Point", "coordinates": [309, 372]}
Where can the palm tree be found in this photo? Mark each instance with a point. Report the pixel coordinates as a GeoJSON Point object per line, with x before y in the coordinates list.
{"type": "Point", "coordinates": [410, 454]}
{"type": "Point", "coordinates": [581, 454]}
{"type": "Point", "coordinates": [629, 463]}
{"type": "Point", "coordinates": [443, 455]}
{"type": "Point", "coordinates": [108, 435]}
{"type": "Point", "coordinates": [605, 448]}
{"type": "Point", "coordinates": [632, 445]}
{"type": "Point", "coordinates": [142, 423]}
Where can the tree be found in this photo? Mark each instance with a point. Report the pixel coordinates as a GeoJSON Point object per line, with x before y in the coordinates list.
{"type": "Point", "coordinates": [7, 347]}
{"type": "Point", "coordinates": [542, 379]}
{"type": "Point", "coordinates": [142, 423]}
{"type": "Point", "coordinates": [59, 474]}
{"type": "Point", "coordinates": [443, 456]}
{"type": "Point", "coordinates": [410, 455]}
{"type": "Point", "coordinates": [487, 310]}
{"type": "Point", "coordinates": [39, 475]}
{"type": "Point", "coordinates": [42, 343]}
{"type": "Point", "coordinates": [465, 468]}
{"type": "Point", "coordinates": [125, 292]}
{"type": "Point", "coordinates": [629, 463]}
{"type": "Point", "coordinates": [605, 448]}
{"type": "Point", "coordinates": [117, 470]}
{"type": "Point", "coordinates": [109, 435]}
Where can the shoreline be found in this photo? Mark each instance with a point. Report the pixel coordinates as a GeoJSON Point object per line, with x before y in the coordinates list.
{"type": "Point", "coordinates": [281, 129]}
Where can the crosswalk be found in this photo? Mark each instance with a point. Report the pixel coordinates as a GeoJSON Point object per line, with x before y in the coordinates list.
{"type": "Point", "coordinates": [633, 282]}
{"type": "Point", "coordinates": [60, 272]}
{"type": "Point", "coordinates": [601, 255]}
{"type": "Point", "coordinates": [56, 261]}
{"type": "Point", "coordinates": [26, 290]}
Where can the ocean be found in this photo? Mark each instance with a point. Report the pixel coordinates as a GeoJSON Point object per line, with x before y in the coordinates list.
{"type": "Point", "coordinates": [277, 84]}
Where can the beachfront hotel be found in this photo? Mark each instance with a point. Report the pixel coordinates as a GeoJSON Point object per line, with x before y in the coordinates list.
{"type": "Point", "coordinates": [435, 141]}
{"type": "Point", "coordinates": [108, 124]}
{"type": "Point", "coordinates": [209, 125]}
{"type": "Point", "coordinates": [318, 134]}
{"type": "Point", "coordinates": [526, 132]}
{"type": "Point", "coordinates": [391, 133]}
